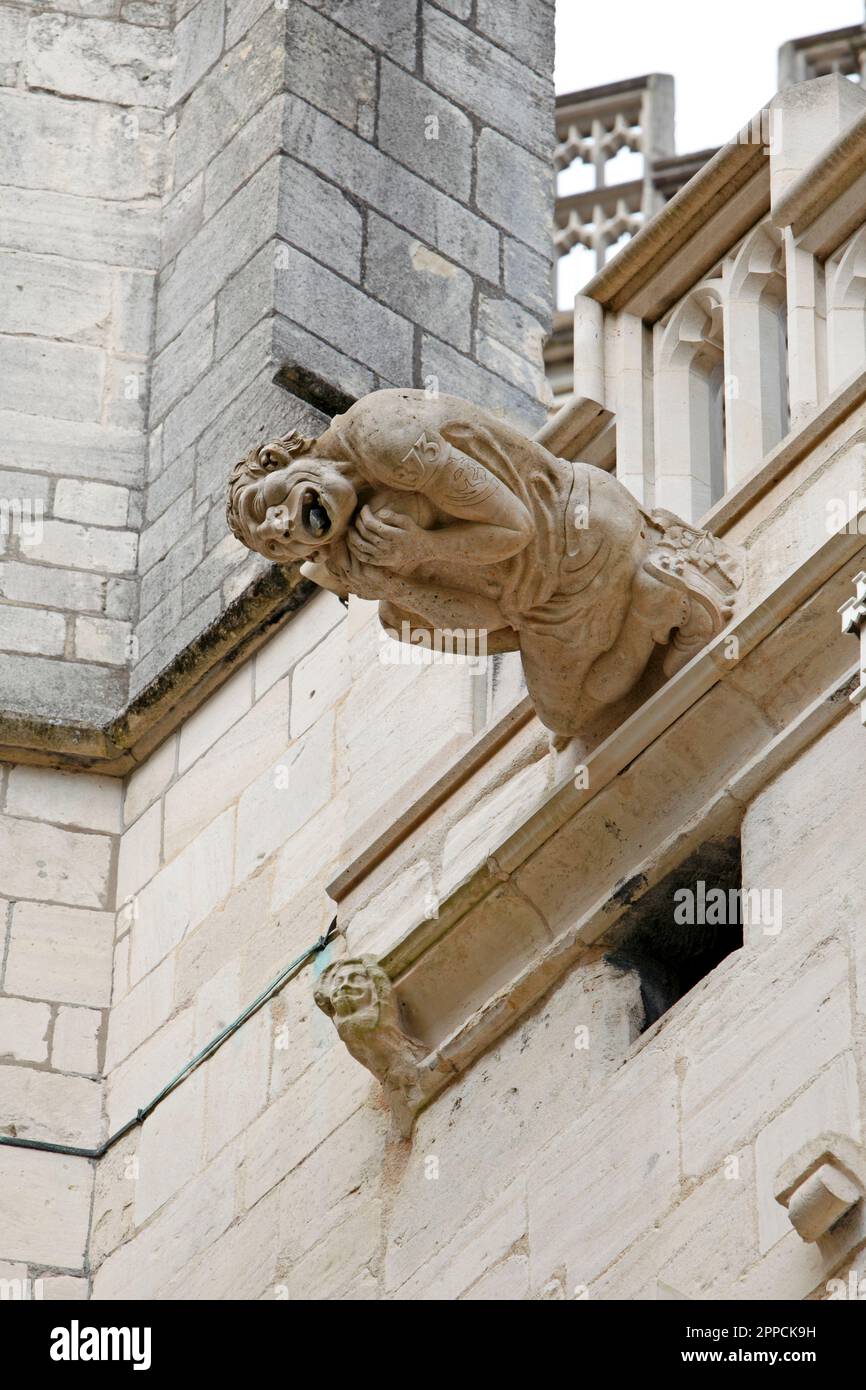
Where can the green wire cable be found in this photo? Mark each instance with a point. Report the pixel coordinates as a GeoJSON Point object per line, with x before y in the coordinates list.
{"type": "Point", "coordinates": [207, 1051]}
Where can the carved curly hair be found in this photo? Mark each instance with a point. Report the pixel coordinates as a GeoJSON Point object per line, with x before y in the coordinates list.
{"type": "Point", "coordinates": [257, 465]}
{"type": "Point", "coordinates": [379, 978]}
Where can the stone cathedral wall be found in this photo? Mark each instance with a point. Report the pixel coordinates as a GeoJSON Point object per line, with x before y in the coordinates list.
{"type": "Point", "coordinates": [597, 1132]}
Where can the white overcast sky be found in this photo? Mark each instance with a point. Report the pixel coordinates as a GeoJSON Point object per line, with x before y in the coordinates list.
{"type": "Point", "coordinates": [722, 55]}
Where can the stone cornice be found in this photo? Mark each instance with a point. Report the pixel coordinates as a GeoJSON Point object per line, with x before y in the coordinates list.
{"type": "Point", "coordinates": [195, 673]}
{"type": "Point", "coordinates": [689, 234]}
{"type": "Point", "coordinates": [825, 180]}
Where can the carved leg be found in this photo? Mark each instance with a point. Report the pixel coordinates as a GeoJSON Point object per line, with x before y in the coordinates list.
{"type": "Point", "coordinates": [555, 677]}
{"type": "Point", "coordinates": [656, 608]}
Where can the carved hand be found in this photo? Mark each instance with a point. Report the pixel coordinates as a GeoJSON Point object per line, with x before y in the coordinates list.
{"type": "Point", "coordinates": [388, 539]}
{"type": "Point", "coordinates": [360, 578]}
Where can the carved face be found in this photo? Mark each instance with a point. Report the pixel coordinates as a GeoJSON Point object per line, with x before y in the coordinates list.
{"type": "Point", "coordinates": [294, 512]}
{"type": "Point", "coordinates": [352, 989]}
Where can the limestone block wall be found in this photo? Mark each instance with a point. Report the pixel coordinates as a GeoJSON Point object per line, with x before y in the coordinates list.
{"type": "Point", "coordinates": [59, 835]}
{"type": "Point", "coordinates": [357, 200]}
{"type": "Point", "coordinates": [82, 113]}
{"type": "Point", "coordinates": [205, 197]}
{"type": "Point", "coordinates": [575, 1159]}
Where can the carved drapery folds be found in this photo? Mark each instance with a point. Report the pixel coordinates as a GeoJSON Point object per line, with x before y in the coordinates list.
{"type": "Point", "coordinates": [459, 525]}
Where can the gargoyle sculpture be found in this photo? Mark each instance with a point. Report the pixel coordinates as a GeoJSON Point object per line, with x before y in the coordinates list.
{"type": "Point", "coordinates": [458, 523]}
{"type": "Point", "coordinates": [357, 994]}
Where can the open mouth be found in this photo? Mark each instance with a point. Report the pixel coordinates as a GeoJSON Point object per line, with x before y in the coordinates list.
{"type": "Point", "coordinates": [314, 515]}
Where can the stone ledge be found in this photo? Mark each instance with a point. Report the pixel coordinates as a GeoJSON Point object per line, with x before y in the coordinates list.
{"type": "Point", "coordinates": [190, 678]}
{"type": "Point", "coordinates": [825, 180]}
{"type": "Point", "coordinates": [727, 196]}
{"type": "Point", "coordinates": [526, 904]}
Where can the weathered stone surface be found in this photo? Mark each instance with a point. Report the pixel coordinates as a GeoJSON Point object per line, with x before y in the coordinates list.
{"type": "Point", "coordinates": [139, 855]}
{"type": "Point", "coordinates": [282, 799]}
{"type": "Point", "coordinates": [136, 1015]}
{"type": "Point", "coordinates": [223, 772]}
{"type": "Point", "coordinates": [38, 686]}
{"type": "Point", "coordinates": [170, 1147]}
{"type": "Point", "coordinates": [53, 298]}
{"type": "Point", "coordinates": [100, 502]}
{"type": "Point", "coordinates": [178, 1233]}
{"type": "Point", "coordinates": [585, 1236]}
{"type": "Point", "coordinates": [492, 84]}
{"type": "Point", "coordinates": [320, 301]}
{"type": "Point", "coordinates": [50, 586]}
{"type": "Point", "coordinates": [422, 130]}
{"type": "Point", "coordinates": [227, 97]}
{"type": "Point", "coordinates": [515, 189]}
{"type": "Point", "coordinates": [60, 953]}
{"type": "Point", "coordinates": [136, 1080]}
{"type": "Point", "coordinates": [182, 894]}
{"type": "Point", "coordinates": [89, 450]}
{"type": "Point", "coordinates": [180, 365]}
{"type": "Point", "coordinates": [308, 626]}
{"type": "Point", "coordinates": [86, 547]}
{"type": "Point", "coordinates": [91, 803]}
{"type": "Point", "coordinates": [64, 1288]}
{"type": "Point", "coordinates": [99, 59]}
{"type": "Point", "coordinates": [316, 217]}
{"type": "Point", "coordinates": [23, 1031]}
{"type": "Point", "coordinates": [72, 146]}
{"type": "Point", "coordinates": [220, 248]}
{"type": "Point", "coordinates": [46, 862]}
{"type": "Point", "coordinates": [329, 1092]}
{"type": "Point", "coordinates": [45, 1207]}
{"type": "Point", "coordinates": [528, 278]}
{"type": "Point", "coordinates": [331, 69]}
{"type": "Point", "coordinates": [149, 781]}
{"type": "Point", "coordinates": [251, 147]}
{"type": "Point", "coordinates": [102, 639]}
{"type": "Point", "coordinates": [243, 1258]}
{"type": "Point", "coordinates": [22, 630]}
{"type": "Point", "coordinates": [198, 41]}
{"type": "Point", "coordinates": [43, 1105]}
{"type": "Point", "coordinates": [237, 1083]}
{"type": "Point", "coordinates": [390, 28]}
{"type": "Point", "coordinates": [41, 377]}
{"type": "Point", "coordinates": [395, 192]}
{"type": "Point", "coordinates": [418, 282]}
{"type": "Point", "coordinates": [319, 681]}
{"type": "Point", "coordinates": [75, 1046]}
{"type": "Point", "coordinates": [85, 229]}
{"type": "Point", "coordinates": [341, 1266]}
{"type": "Point", "coordinates": [526, 30]}
{"type": "Point", "coordinates": [13, 34]}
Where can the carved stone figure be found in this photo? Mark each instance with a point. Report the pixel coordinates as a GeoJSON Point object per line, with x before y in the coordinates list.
{"type": "Point", "coordinates": [455, 521]}
{"type": "Point", "coordinates": [357, 994]}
